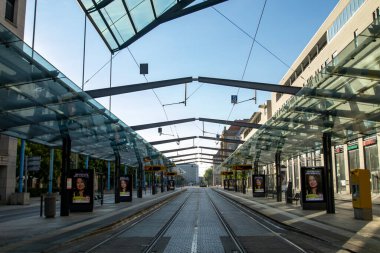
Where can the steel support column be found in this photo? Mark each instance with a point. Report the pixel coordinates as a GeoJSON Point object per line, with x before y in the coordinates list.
{"type": "Point", "coordinates": [66, 152]}
{"type": "Point", "coordinates": [327, 159]}
{"type": "Point", "coordinates": [108, 175]}
{"type": "Point", "coordinates": [22, 164]}
{"type": "Point", "coordinates": [117, 177]}
{"type": "Point", "coordinates": [278, 176]}
{"type": "Point", "coordinates": [51, 170]}
{"type": "Point", "coordinates": [139, 170]}
{"type": "Point", "coordinates": [256, 167]}
{"type": "Point", "coordinates": [162, 181]}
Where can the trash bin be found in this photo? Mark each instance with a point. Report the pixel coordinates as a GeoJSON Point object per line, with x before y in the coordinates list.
{"type": "Point", "coordinates": [49, 206]}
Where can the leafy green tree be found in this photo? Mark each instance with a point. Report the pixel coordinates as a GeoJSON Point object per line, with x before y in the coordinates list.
{"type": "Point", "coordinates": [208, 176]}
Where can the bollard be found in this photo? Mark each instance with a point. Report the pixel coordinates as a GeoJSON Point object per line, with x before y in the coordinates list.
{"type": "Point", "coordinates": [50, 206]}
{"type": "Point", "coordinates": [41, 204]}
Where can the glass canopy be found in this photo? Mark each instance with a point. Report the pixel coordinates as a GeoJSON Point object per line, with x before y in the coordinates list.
{"type": "Point", "coordinates": [121, 22]}
{"type": "Point", "coordinates": [343, 99]}
{"type": "Point", "coordinates": [39, 103]}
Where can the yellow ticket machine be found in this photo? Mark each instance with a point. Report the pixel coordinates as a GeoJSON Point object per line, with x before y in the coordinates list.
{"type": "Point", "coordinates": [361, 194]}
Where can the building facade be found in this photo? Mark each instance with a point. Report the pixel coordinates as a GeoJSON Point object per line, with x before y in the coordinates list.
{"type": "Point", "coordinates": [226, 148]}
{"type": "Point", "coordinates": [12, 16]}
{"type": "Point", "coordinates": [344, 24]}
{"type": "Point", "coordinates": [190, 172]}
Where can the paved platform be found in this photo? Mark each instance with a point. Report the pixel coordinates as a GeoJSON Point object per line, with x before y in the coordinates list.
{"type": "Point", "coordinates": [340, 229]}
{"type": "Point", "coordinates": [23, 230]}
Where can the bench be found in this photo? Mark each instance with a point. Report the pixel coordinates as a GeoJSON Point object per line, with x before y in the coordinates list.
{"type": "Point", "coordinates": [296, 197]}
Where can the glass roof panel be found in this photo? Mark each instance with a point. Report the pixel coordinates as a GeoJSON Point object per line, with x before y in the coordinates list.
{"type": "Point", "coordinates": [342, 99]}
{"type": "Point", "coordinates": [142, 14]}
{"type": "Point", "coordinates": [121, 22]}
{"type": "Point", "coordinates": [40, 104]}
{"type": "Point", "coordinates": [163, 5]}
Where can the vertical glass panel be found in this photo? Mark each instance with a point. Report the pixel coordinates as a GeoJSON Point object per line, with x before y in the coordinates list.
{"type": "Point", "coordinates": [371, 158]}
{"type": "Point", "coordinates": [296, 173]}
{"type": "Point", "coordinates": [340, 172]}
{"type": "Point", "coordinates": [353, 159]}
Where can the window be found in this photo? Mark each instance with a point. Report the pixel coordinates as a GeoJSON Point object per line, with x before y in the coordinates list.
{"type": "Point", "coordinates": [10, 10]}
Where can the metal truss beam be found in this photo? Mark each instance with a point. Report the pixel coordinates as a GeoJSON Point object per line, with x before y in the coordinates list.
{"type": "Point", "coordinates": [193, 137]}
{"type": "Point", "coordinates": [232, 123]}
{"type": "Point", "coordinates": [164, 123]}
{"type": "Point", "coordinates": [178, 149]}
{"type": "Point", "coordinates": [193, 147]}
{"type": "Point", "coordinates": [194, 8]}
{"type": "Point", "coordinates": [221, 140]}
{"type": "Point", "coordinates": [179, 121]}
{"type": "Point", "coordinates": [217, 149]}
{"type": "Point", "coordinates": [251, 85]}
{"type": "Point", "coordinates": [98, 93]}
{"type": "Point", "coordinates": [178, 156]}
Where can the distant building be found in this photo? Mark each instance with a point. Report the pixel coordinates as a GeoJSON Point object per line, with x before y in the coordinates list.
{"type": "Point", "coordinates": [226, 148]}
{"type": "Point", "coordinates": [190, 172]}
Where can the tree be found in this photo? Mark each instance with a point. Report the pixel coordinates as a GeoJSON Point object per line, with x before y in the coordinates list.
{"type": "Point", "coordinates": [208, 176]}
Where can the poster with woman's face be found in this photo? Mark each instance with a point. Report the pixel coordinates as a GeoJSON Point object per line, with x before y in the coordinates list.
{"type": "Point", "coordinates": [80, 188]}
{"type": "Point", "coordinates": [313, 185]}
{"type": "Point", "coordinates": [258, 184]}
{"type": "Point", "coordinates": [124, 187]}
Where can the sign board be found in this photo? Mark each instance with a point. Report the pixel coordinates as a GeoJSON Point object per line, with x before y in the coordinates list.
{"type": "Point", "coordinates": [154, 168]}
{"type": "Point", "coordinates": [82, 192]}
{"type": "Point", "coordinates": [312, 188]}
{"type": "Point", "coordinates": [125, 188]}
{"type": "Point", "coordinates": [171, 185]}
{"type": "Point", "coordinates": [227, 173]}
{"type": "Point", "coordinates": [242, 167]}
{"type": "Point", "coordinates": [33, 163]}
{"type": "Point", "coordinates": [173, 173]}
{"type": "Point", "coordinates": [147, 159]}
{"type": "Point", "coordinates": [234, 99]}
{"type": "Point", "coordinates": [258, 185]}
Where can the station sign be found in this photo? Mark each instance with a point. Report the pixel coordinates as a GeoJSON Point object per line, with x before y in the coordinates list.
{"type": "Point", "coordinates": [242, 167]}
{"type": "Point", "coordinates": [154, 168]}
{"type": "Point", "coordinates": [147, 159]}
{"type": "Point", "coordinates": [172, 173]}
{"type": "Point", "coordinates": [370, 140]}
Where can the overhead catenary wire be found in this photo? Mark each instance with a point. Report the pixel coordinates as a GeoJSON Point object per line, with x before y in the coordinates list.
{"type": "Point", "coordinates": [249, 54]}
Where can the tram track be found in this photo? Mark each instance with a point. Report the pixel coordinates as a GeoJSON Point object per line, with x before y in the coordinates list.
{"type": "Point", "coordinates": [262, 222]}
{"type": "Point", "coordinates": [128, 226]}
{"type": "Point", "coordinates": [227, 227]}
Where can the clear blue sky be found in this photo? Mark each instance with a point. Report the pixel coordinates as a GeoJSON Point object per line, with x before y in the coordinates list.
{"type": "Point", "coordinates": [201, 44]}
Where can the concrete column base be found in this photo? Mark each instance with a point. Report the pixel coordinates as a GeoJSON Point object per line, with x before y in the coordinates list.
{"type": "Point", "coordinates": [363, 213]}
{"type": "Point", "coordinates": [19, 198]}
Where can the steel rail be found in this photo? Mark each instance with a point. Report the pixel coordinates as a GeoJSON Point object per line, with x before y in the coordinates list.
{"type": "Point", "coordinates": [228, 229]}
{"type": "Point", "coordinates": [260, 220]}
